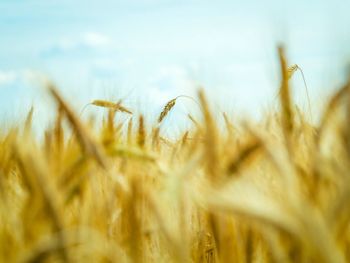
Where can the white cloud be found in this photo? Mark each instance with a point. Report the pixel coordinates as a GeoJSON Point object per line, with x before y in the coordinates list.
{"type": "Point", "coordinates": [94, 39]}
{"type": "Point", "coordinates": [7, 77]}
{"type": "Point", "coordinates": [88, 40]}
{"type": "Point", "coordinates": [23, 76]}
{"type": "Point", "coordinates": [170, 82]}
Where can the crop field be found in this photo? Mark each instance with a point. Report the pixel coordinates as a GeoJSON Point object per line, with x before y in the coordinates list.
{"type": "Point", "coordinates": [274, 190]}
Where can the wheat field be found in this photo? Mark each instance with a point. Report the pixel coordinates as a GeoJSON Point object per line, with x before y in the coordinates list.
{"type": "Point", "coordinates": [277, 190]}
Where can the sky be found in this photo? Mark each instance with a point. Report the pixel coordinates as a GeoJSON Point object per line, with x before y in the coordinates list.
{"type": "Point", "coordinates": [149, 51]}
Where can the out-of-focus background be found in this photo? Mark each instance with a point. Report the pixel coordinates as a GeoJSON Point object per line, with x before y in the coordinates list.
{"type": "Point", "coordinates": [149, 51]}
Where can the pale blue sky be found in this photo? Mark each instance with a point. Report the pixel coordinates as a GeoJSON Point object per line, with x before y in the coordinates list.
{"type": "Point", "coordinates": [148, 51]}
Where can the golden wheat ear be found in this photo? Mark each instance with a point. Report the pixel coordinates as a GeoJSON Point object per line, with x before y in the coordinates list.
{"type": "Point", "coordinates": [285, 97]}
{"type": "Point", "coordinates": [248, 151]}
{"type": "Point", "coordinates": [111, 105]}
{"type": "Point", "coordinates": [291, 70]}
{"type": "Point", "coordinates": [88, 146]}
{"type": "Point", "coordinates": [170, 104]}
{"type": "Point", "coordinates": [141, 137]}
{"type": "Point", "coordinates": [211, 139]}
{"type": "Point", "coordinates": [167, 108]}
{"type": "Point", "coordinates": [29, 121]}
{"type": "Point", "coordinates": [129, 137]}
{"type": "Point", "coordinates": [155, 138]}
{"type": "Point", "coordinates": [123, 109]}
